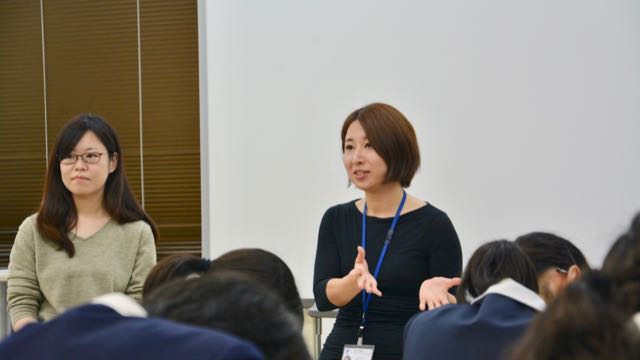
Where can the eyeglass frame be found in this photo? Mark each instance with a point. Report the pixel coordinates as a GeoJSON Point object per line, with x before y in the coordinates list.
{"type": "Point", "coordinates": [80, 156]}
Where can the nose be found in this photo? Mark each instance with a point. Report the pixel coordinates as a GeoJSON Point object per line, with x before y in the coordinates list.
{"type": "Point", "coordinates": [80, 165]}
{"type": "Point", "coordinates": [357, 155]}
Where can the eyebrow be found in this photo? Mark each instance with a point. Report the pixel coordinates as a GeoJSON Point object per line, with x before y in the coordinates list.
{"type": "Point", "coordinates": [88, 149]}
{"type": "Point", "coordinates": [351, 139]}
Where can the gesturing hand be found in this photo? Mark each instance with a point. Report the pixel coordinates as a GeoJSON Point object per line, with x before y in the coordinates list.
{"type": "Point", "coordinates": [434, 292]}
{"type": "Point", "coordinates": [361, 273]}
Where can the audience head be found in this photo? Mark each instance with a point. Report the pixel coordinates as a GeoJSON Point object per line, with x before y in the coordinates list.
{"type": "Point", "coordinates": [581, 323]}
{"type": "Point", "coordinates": [622, 266]}
{"type": "Point", "coordinates": [179, 266]}
{"type": "Point", "coordinates": [391, 136]}
{"type": "Point", "coordinates": [558, 262]}
{"type": "Point", "coordinates": [235, 303]}
{"type": "Point", "coordinates": [493, 262]}
{"type": "Point", "coordinates": [268, 269]}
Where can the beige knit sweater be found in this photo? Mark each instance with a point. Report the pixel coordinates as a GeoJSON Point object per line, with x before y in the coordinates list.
{"type": "Point", "coordinates": [43, 281]}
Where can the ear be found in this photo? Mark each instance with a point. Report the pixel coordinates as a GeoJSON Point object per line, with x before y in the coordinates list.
{"type": "Point", "coordinates": [574, 273]}
{"type": "Point", "coordinates": [113, 162]}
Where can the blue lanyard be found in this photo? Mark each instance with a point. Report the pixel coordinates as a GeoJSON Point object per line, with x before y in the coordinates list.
{"type": "Point", "coordinates": [366, 298]}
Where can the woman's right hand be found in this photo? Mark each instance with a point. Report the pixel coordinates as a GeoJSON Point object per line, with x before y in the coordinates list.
{"type": "Point", "coordinates": [341, 291]}
{"type": "Point", "coordinates": [361, 273]}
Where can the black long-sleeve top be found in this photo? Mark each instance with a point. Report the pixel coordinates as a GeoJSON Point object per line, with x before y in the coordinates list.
{"type": "Point", "coordinates": [424, 245]}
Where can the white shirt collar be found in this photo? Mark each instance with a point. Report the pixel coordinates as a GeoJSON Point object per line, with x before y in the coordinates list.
{"type": "Point", "coordinates": [516, 291]}
{"type": "Point", "coordinates": [121, 303]}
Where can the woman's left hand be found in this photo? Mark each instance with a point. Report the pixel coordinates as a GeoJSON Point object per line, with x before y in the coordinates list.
{"type": "Point", "coordinates": [434, 292]}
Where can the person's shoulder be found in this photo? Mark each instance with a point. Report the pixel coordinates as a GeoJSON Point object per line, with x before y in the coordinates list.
{"type": "Point", "coordinates": [30, 220]}
{"type": "Point", "coordinates": [425, 322]}
{"type": "Point", "coordinates": [442, 319]}
{"type": "Point", "coordinates": [433, 211]}
{"type": "Point", "coordinates": [433, 216]}
{"type": "Point", "coordinates": [135, 226]}
{"type": "Point", "coordinates": [349, 206]}
{"type": "Point", "coordinates": [29, 227]}
{"type": "Point", "coordinates": [195, 340]}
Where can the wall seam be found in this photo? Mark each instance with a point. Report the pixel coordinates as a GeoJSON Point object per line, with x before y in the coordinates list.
{"type": "Point", "coordinates": [44, 86]}
{"type": "Point", "coordinates": [142, 197]}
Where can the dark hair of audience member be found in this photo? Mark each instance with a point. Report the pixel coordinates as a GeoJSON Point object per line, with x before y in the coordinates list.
{"type": "Point", "coordinates": [622, 266]}
{"type": "Point", "coordinates": [179, 266]}
{"type": "Point", "coordinates": [581, 323]}
{"type": "Point", "coordinates": [268, 269]}
{"type": "Point", "coordinates": [547, 251]}
{"type": "Point", "coordinates": [235, 303]}
{"type": "Point", "coordinates": [493, 262]}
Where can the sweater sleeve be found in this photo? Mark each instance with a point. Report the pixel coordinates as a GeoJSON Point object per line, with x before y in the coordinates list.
{"type": "Point", "coordinates": [145, 260]}
{"type": "Point", "coordinates": [445, 257]}
{"type": "Point", "coordinates": [327, 263]}
{"type": "Point", "coordinates": [23, 290]}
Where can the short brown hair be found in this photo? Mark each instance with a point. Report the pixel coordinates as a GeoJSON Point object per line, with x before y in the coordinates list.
{"type": "Point", "coordinates": [391, 136]}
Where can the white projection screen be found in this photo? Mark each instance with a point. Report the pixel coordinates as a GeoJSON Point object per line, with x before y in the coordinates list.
{"type": "Point", "coordinates": [527, 115]}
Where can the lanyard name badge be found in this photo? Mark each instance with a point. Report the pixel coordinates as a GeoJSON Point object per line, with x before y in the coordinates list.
{"type": "Point", "coordinates": [360, 351]}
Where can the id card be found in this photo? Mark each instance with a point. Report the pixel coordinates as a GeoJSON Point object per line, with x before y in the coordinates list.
{"type": "Point", "coordinates": [357, 352]}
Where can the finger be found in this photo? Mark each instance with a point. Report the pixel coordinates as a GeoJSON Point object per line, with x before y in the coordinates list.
{"type": "Point", "coordinates": [373, 287]}
{"type": "Point", "coordinates": [370, 285]}
{"type": "Point", "coordinates": [431, 305]}
{"type": "Point", "coordinates": [361, 254]}
{"type": "Point", "coordinates": [454, 282]}
{"type": "Point", "coordinates": [422, 305]}
{"type": "Point", "coordinates": [452, 299]}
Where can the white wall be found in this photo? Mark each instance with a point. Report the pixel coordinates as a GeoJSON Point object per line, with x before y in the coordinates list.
{"type": "Point", "coordinates": [527, 113]}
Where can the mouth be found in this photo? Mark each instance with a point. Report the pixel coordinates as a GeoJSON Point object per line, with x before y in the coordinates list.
{"type": "Point", "coordinates": [79, 178]}
{"type": "Point", "coordinates": [359, 174]}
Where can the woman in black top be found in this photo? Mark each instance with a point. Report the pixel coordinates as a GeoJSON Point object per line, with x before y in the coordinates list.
{"type": "Point", "coordinates": [381, 156]}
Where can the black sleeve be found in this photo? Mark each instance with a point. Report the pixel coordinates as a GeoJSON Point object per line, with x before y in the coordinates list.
{"type": "Point", "coordinates": [327, 263]}
{"type": "Point", "coordinates": [446, 254]}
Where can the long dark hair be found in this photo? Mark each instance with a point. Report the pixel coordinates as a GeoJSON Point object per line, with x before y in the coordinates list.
{"type": "Point", "coordinates": [58, 214]}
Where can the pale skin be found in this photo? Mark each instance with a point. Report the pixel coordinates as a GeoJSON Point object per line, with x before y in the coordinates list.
{"type": "Point", "coordinates": [86, 183]}
{"type": "Point", "coordinates": [367, 171]}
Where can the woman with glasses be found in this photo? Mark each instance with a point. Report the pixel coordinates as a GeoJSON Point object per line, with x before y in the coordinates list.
{"type": "Point", "coordinates": [90, 235]}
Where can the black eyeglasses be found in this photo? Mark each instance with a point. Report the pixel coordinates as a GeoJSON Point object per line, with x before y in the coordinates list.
{"type": "Point", "coordinates": [87, 158]}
